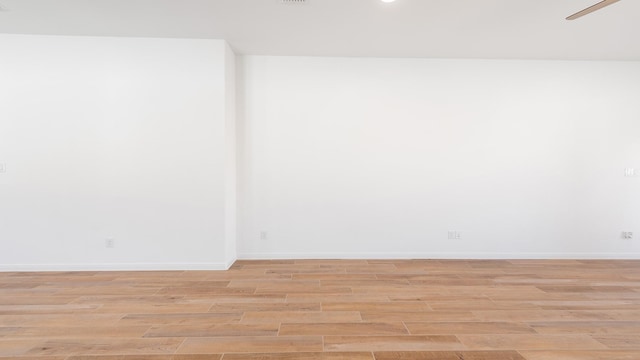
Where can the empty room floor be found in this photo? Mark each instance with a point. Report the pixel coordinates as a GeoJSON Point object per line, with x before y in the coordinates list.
{"type": "Point", "coordinates": [329, 309]}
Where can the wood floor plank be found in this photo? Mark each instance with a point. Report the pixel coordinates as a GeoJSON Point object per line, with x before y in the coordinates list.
{"type": "Point", "coordinates": [442, 297]}
{"type": "Point", "coordinates": [301, 316]}
{"type": "Point", "coordinates": [392, 343]}
{"type": "Point", "coordinates": [620, 341]}
{"type": "Point", "coordinates": [449, 355]}
{"type": "Point", "coordinates": [22, 300]}
{"type": "Point", "coordinates": [213, 330]}
{"type": "Point", "coordinates": [581, 355]}
{"type": "Point", "coordinates": [386, 306]}
{"type": "Point", "coordinates": [530, 342]}
{"type": "Point", "coordinates": [213, 299]}
{"type": "Point", "coordinates": [544, 315]}
{"type": "Point", "coordinates": [255, 306]}
{"type": "Point", "coordinates": [377, 316]}
{"type": "Point", "coordinates": [583, 288]}
{"type": "Point", "coordinates": [75, 332]}
{"type": "Point", "coordinates": [144, 357]}
{"type": "Point", "coordinates": [370, 268]}
{"type": "Point", "coordinates": [153, 308]}
{"type": "Point", "coordinates": [275, 284]}
{"type": "Point", "coordinates": [339, 276]}
{"type": "Point", "coordinates": [180, 318]}
{"type": "Point", "coordinates": [588, 304]}
{"type": "Point", "coordinates": [467, 327]}
{"type": "Point", "coordinates": [63, 357]}
{"type": "Point", "coordinates": [16, 347]}
{"type": "Point", "coordinates": [292, 270]}
{"type": "Point", "coordinates": [109, 290]}
{"type": "Point", "coordinates": [338, 298]}
{"type": "Point", "coordinates": [251, 344]}
{"type": "Point", "coordinates": [315, 289]}
{"type": "Point", "coordinates": [101, 346]}
{"type": "Point", "coordinates": [363, 283]}
{"type": "Point", "coordinates": [8, 331]}
{"type": "Point", "coordinates": [58, 319]}
{"type": "Point", "coordinates": [302, 356]}
{"type": "Point", "coordinates": [587, 327]}
{"type": "Point", "coordinates": [477, 304]}
{"type": "Point", "coordinates": [416, 355]}
{"type": "Point", "coordinates": [458, 282]}
{"type": "Point", "coordinates": [127, 299]}
{"type": "Point", "coordinates": [47, 309]}
{"type": "Point", "coordinates": [396, 328]}
{"type": "Point", "coordinates": [207, 291]}
{"type": "Point", "coordinates": [110, 357]}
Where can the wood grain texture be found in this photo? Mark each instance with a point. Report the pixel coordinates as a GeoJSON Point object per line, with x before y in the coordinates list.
{"type": "Point", "coordinates": [449, 355]}
{"type": "Point", "coordinates": [397, 343]}
{"type": "Point", "coordinates": [251, 344]}
{"type": "Point", "coordinates": [328, 310]}
{"type": "Point", "coordinates": [582, 355]}
{"type": "Point", "coordinates": [302, 356]}
{"type": "Point", "coordinates": [462, 327]}
{"type": "Point", "coordinates": [529, 342]}
{"type": "Point", "coordinates": [396, 328]}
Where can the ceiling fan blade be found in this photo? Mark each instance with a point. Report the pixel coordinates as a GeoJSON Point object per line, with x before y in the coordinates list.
{"type": "Point", "coordinates": [592, 8]}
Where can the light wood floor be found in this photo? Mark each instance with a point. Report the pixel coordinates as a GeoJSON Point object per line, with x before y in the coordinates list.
{"type": "Point", "coordinates": [330, 310]}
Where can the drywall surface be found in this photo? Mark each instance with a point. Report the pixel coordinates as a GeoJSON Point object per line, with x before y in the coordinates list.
{"type": "Point", "coordinates": [382, 158]}
{"type": "Point", "coordinates": [230, 170]}
{"type": "Point", "coordinates": [112, 138]}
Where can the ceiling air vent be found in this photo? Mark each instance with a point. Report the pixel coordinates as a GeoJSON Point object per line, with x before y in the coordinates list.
{"type": "Point", "coordinates": [293, 1]}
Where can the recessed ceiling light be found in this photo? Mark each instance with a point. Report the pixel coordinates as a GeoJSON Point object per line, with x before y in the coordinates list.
{"type": "Point", "coordinates": [388, 1]}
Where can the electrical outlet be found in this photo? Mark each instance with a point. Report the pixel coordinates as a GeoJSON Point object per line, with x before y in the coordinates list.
{"type": "Point", "coordinates": [629, 172]}
{"type": "Point", "coordinates": [109, 243]}
{"type": "Point", "coordinates": [263, 235]}
{"type": "Point", "coordinates": [627, 235]}
{"type": "Point", "coordinates": [454, 235]}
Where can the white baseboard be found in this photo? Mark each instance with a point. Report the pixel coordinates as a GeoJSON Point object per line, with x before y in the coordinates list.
{"type": "Point", "coordinates": [230, 263]}
{"type": "Point", "coordinates": [440, 255]}
{"type": "Point", "coordinates": [303, 256]}
{"type": "Point", "coordinates": [116, 267]}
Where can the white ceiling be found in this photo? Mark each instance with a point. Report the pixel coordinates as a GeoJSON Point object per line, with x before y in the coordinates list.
{"type": "Point", "coordinates": [523, 29]}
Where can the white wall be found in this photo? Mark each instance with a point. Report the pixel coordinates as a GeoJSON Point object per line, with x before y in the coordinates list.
{"type": "Point", "coordinates": [230, 170]}
{"type": "Point", "coordinates": [135, 139]}
{"type": "Point", "coordinates": [380, 158]}
{"type": "Point", "coordinates": [119, 138]}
